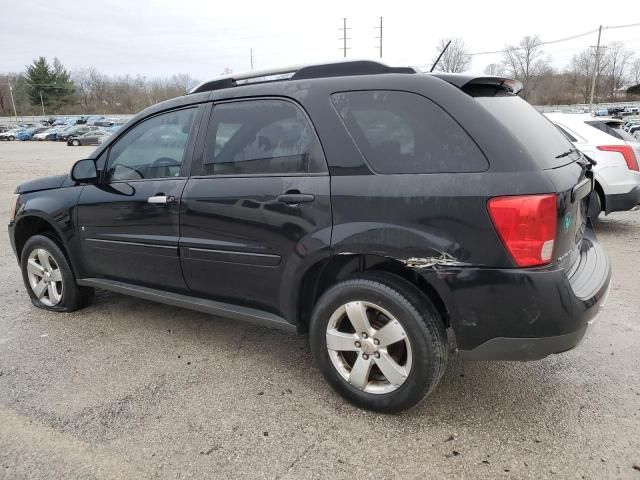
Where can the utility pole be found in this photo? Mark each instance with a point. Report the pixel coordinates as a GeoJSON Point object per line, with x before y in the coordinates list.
{"type": "Point", "coordinates": [595, 71]}
{"type": "Point", "coordinates": [42, 103]}
{"type": "Point", "coordinates": [344, 37]}
{"type": "Point", "coordinates": [380, 38]}
{"type": "Point", "coordinates": [251, 55]}
{"type": "Point", "coordinates": [15, 113]}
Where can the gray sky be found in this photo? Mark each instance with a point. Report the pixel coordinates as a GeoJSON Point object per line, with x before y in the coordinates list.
{"type": "Point", "coordinates": [162, 37]}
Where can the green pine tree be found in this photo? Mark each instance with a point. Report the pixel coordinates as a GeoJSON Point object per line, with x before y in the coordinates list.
{"type": "Point", "coordinates": [52, 82]}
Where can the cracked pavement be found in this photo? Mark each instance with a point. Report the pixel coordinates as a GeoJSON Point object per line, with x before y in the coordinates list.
{"type": "Point", "coordinates": [132, 389]}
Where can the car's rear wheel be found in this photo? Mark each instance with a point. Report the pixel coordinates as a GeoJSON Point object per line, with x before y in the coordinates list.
{"type": "Point", "coordinates": [379, 342]}
{"type": "Point", "coordinates": [48, 277]}
{"type": "Point", "coordinates": [11, 138]}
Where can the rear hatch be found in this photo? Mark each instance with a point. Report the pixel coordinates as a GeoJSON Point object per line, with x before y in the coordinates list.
{"type": "Point", "coordinates": [567, 169]}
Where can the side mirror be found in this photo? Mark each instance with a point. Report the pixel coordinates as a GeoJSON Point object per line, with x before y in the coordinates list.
{"type": "Point", "coordinates": [84, 171]}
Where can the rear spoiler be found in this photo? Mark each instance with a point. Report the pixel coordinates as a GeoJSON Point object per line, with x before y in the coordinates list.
{"type": "Point", "coordinates": [468, 82]}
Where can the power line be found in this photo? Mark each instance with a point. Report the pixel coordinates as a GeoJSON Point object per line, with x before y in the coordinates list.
{"type": "Point", "coordinates": [561, 40]}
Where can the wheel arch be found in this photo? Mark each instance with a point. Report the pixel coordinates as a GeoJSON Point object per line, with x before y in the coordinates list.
{"type": "Point", "coordinates": [36, 224]}
{"type": "Point", "coordinates": [325, 273]}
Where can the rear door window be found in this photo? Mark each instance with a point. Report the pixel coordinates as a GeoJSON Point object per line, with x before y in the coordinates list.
{"type": "Point", "coordinates": [261, 137]}
{"type": "Point", "coordinates": [402, 132]}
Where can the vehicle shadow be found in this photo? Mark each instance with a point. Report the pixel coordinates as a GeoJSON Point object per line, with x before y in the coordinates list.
{"type": "Point", "coordinates": [470, 394]}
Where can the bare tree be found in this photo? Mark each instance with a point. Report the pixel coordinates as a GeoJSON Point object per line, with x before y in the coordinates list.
{"type": "Point", "coordinates": [526, 62]}
{"type": "Point", "coordinates": [494, 69]}
{"type": "Point", "coordinates": [617, 59]}
{"type": "Point", "coordinates": [635, 72]}
{"type": "Point", "coordinates": [456, 59]}
{"type": "Point", "coordinates": [182, 82]}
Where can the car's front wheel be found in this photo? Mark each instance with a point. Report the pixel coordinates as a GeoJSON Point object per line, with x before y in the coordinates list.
{"type": "Point", "coordinates": [76, 143]}
{"type": "Point", "coordinates": [379, 342]}
{"type": "Point", "coordinates": [48, 277]}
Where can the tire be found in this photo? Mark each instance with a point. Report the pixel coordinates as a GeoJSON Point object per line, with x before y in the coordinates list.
{"type": "Point", "coordinates": [11, 138]}
{"type": "Point", "coordinates": [62, 294]}
{"type": "Point", "coordinates": [76, 143]}
{"type": "Point", "coordinates": [420, 354]}
{"type": "Point", "coordinates": [595, 207]}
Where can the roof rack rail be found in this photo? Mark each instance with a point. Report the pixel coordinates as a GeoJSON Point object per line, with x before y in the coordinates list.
{"type": "Point", "coordinates": [303, 72]}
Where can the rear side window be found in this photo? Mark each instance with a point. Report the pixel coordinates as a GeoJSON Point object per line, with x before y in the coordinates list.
{"type": "Point", "coordinates": [534, 131]}
{"type": "Point", "coordinates": [261, 137]}
{"type": "Point", "coordinates": [402, 132]}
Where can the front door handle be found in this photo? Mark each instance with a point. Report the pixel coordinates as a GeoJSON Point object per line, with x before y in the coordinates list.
{"type": "Point", "coordinates": [161, 199]}
{"type": "Point", "coordinates": [295, 198]}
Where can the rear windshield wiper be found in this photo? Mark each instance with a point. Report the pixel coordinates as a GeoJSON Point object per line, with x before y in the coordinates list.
{"type": "Point", "coordinates": [567, 153]}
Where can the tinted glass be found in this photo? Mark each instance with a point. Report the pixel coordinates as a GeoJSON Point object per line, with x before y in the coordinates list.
{"type": "Point", "coordinates": [614, 131]}
{"type": "Point", "coordinates": [401, 132]}
{"type": "Point", "coordinates": [152, 149]}
{"type": "Point", "coordinates": [537, 134]}
{"type": "Point", "coordinates": [261, 137]}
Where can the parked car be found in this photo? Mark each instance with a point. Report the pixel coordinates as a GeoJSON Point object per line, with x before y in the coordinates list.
{"type": "Point", "coordinates": [43, 135]}
{"type": "Point", "coordinates": [617, 176]}
{"type": "Point", "coordinates": [28, 133]}
{"type": "Point", "coordinates": [52, 133]}
{"type": "Point", "coordinates": [104, 137]}
{"type": "Point", "coordinates": [73, 131]}
{"type": "Point", "coordinates": [394, 207]}
{"type": "Point", "coordinates": [94, 120]}
{"type": "Point", "coordinates": [89, 138]}
{"type": "Point", "coordinates": [601, 112]}
{"type": "Point", "coordinates": [10, 135]}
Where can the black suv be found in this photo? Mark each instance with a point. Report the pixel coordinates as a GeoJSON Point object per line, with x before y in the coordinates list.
{"type": "Point", "coordinates": [381, 210]}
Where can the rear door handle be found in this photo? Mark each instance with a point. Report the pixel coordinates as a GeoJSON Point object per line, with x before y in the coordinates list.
{"type": "Point", "coordinates": [161, 199]}
{"type": "Point", "coordinates": [295, 198]}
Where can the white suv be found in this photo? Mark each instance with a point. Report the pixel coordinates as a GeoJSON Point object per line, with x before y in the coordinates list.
{"type": "Point", "coordinates": [616, 153]}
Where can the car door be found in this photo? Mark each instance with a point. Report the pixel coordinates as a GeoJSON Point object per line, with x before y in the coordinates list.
{"type": "Point", "coordinates": [257, 207]}
{"type": "Point", "coordinates": [129, 221]}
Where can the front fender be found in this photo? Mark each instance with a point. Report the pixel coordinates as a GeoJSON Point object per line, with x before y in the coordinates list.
{"type": "Point", "coordinates": [57, 208]}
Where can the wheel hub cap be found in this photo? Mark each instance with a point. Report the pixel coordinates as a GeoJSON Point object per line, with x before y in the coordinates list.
{"type": "Point", "coordinates": [368, 347]}
{"type": "Point", "coordinates": [45, 277]}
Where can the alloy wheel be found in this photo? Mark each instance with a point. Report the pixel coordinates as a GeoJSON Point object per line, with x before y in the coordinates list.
{"type": "Point", "coordinates": [45, 277]}
{"type": "Point", "coordinates": [369, 347]}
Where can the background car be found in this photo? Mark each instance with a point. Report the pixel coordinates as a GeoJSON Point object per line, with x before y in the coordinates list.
{"type": "Point", "coordinates": [28, 133]}
{"type": "Point", "coordinates": [10, 135]}
{"type": "Point", "coordinates": [616, 172]}
{"type": "Point", "coordinates": [73, 131]}
{"type": "Point", "coordinates": [90, 138]}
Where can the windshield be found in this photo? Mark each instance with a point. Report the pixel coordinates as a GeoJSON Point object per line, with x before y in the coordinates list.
{"type": "Point", "coordinates": [539, 136]}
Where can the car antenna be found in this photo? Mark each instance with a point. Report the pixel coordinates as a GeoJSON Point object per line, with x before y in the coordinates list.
{"type": "Point", "coordinates": [440, 56]}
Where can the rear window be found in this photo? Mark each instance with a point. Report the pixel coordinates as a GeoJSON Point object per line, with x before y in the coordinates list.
{"type": "Point", "coordinates": [402, 132]}
{"type": "Point", "coordinates": [537, 134]}
{"type": "Point", "coordinates": [616, 132]}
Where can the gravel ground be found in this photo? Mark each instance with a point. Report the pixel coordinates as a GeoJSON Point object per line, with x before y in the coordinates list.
{"type": "Point", "coordinates": [132, 389]}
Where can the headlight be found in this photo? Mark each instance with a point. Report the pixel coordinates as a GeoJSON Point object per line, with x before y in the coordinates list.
{"type": "Point", "coordinates": [13, 205]}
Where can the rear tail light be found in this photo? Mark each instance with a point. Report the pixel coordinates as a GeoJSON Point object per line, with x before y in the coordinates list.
{"type": "Point", "coordinates": [527, 226]}
{"type": "Point", "coordinates": [626, 151]}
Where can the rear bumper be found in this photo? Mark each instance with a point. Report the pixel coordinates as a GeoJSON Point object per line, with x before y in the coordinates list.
{"type": "Point", "coordinates": [524, 314]}
{"type": "Point", "coordinates": [524, 349]}
{"type": "Point", "coordinates": [620, 202]}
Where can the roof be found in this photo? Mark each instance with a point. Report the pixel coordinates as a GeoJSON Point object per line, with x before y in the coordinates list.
{"type": "Point", "coordinates": [342, 69]}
